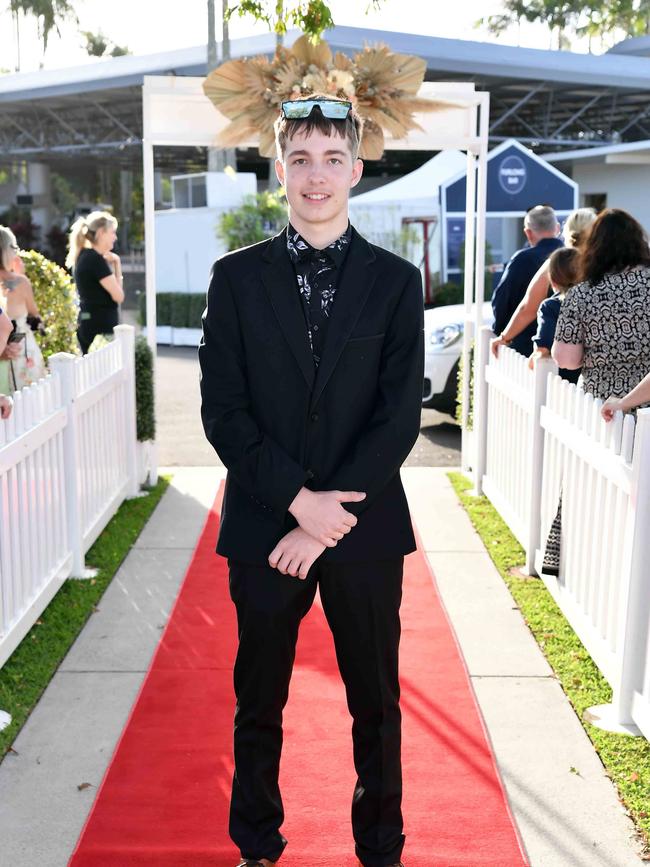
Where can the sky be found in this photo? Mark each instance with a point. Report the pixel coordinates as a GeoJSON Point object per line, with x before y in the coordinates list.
{"type": "Point", "coordinates": [145, 26]}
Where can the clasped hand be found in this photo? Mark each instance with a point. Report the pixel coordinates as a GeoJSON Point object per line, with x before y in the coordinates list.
{"type": "Point", "coordinates": [323, 523]}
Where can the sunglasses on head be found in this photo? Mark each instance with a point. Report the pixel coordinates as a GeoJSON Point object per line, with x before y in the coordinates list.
{"type": "Point", "coordinates": [334, 109]}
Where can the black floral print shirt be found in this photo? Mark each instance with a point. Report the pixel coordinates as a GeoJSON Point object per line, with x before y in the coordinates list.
{"type": "Point", "coordinates": [317, 274]}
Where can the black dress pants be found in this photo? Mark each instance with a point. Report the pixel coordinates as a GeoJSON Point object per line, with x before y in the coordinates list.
{"type": "Point", "coordinates": [361, 602]}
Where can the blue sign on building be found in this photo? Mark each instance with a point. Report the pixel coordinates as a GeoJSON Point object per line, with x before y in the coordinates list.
{"type": "Point", "coordinates": [517, 180]}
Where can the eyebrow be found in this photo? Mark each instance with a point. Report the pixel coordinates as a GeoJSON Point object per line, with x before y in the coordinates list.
{"type": "Point", "coordinates": [307, 153]}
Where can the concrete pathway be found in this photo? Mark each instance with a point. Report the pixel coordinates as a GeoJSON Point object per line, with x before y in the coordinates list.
{"type": "Point", "coordinates": [566, 819]}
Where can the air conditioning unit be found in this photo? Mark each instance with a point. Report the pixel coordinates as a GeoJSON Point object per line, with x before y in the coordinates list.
{"type": "Point", "coordinates": [212, 189]}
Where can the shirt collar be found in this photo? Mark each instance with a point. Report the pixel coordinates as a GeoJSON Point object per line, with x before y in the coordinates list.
{"type": "Point", "coordinates": [300, 250]}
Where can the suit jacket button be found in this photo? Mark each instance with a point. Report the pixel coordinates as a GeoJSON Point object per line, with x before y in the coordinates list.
{"type": "Point", "coordinates": [314, 416]}
{"type": "Point", "coordinates": [310, 474]}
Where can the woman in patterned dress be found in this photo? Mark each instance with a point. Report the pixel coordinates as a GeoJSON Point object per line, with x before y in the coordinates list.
{"type": "Point", "coordinates": [17, 299]}
{"type": "Point", "coordinates": [604, 323]}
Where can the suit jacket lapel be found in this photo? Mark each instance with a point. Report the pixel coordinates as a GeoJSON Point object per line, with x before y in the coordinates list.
{"type": "Point", "coordinates": [353, 289]}
{"type": "Point", "coordinates": [279, 281]}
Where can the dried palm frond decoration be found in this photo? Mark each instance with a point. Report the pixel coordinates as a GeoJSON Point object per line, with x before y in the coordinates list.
{"type": "Point", "coordinates": [381, 85]}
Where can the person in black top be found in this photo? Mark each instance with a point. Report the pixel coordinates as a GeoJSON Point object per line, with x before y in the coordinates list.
{"type": "Point", "coordinates": [97, 275]}
{"type": "Point", "coordinates": [312, 363]}
{"type": "Point", "coordinates": [541, 229]}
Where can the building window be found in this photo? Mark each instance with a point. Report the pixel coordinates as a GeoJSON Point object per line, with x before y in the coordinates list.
{"type": "Point", "coordinates": [598, 201]}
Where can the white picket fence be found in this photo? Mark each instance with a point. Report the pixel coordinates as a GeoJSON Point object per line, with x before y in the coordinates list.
{"type": "Point", "coordinates": [67, 461]}
{"type": "Point", "coordinates": [541, 439]}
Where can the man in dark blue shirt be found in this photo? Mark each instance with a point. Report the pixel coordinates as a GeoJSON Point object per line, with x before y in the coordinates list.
{"type": "Point", "coordinates": [541, 229]}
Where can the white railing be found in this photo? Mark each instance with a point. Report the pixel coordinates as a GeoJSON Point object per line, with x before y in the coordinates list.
{"type": "Point", "coordinates": [603, 474]}
{"type": "Point", "coordinates": [509, 399]}
{"type": "Point", "coordinates": [67, 460]}
{"type": "Point", "coordinates": [542, 440]}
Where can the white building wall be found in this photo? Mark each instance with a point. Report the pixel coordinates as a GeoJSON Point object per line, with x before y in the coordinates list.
{"type": "Point", "coordinates": [186, 248]}
{"type": "Point", "coordinates": [186, 238]}
{"type": "Point", "coordinates": [626, 187]}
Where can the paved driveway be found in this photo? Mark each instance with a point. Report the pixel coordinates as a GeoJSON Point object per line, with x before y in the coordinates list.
{"type": "Point", "coordinates": [182, 443]}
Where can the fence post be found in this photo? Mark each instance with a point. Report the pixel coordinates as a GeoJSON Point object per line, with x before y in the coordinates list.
{"type": "Point", "coordinates": [62, 363]}
{"type": "Point", "coordinates": [543, 367]}
{"type": "Point", "coordinates": [480, 409]}
{"type": "Point", "coordinates": [126, 336]}
{"type": "Point", "coordinates": [635, 606]}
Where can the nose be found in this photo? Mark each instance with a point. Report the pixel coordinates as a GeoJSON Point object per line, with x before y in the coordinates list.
{"type": "Point", "coordinates": [316, 174]}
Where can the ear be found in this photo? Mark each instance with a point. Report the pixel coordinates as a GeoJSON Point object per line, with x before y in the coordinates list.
{"type": "Point", "coordinates": [357, 171]}
{"type": "Point", "coordinates": [279, 171]}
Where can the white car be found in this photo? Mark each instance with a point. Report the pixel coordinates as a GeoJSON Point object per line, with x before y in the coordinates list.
{"type": "Point", "coordinates": [443, 344]}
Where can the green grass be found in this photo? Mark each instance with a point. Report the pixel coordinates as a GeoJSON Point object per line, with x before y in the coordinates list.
{"type": "Point", "coordinates": [626, 759]}
{"type": "Point", "coordinates": [30, 668]}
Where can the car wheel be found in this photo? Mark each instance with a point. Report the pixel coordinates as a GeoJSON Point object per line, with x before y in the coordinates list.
{"type": "Point", "coordinates": [447, 400]}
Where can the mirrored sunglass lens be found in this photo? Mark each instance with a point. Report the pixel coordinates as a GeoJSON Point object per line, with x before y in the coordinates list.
{"type": "Point", "coordinates": [297, 109]}
{"type": "Point", "coordinates": [335, 110]}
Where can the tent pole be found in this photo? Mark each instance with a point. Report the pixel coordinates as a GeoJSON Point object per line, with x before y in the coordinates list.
{"type": "Point", "coordinates": [149, 250]}
{"type": "Point", "coordinates": [479, 407]}
{"type": "Point", "coordinates": [470, 196]}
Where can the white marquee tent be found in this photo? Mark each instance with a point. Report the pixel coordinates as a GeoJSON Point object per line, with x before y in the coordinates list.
{"type": "Point", "coordinates": [177, 113]}
{"type": "Point", "coordinates": [418, 189]}
{"type": "Point", "coordinates": [381, 213]}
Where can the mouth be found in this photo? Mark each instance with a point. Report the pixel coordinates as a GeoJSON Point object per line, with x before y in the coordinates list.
{"type": "Point", "coordinates": [316, 197]}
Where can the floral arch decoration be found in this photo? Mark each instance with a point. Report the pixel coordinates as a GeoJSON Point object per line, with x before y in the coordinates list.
{"type": "Point", "coordinates": [382, 86]}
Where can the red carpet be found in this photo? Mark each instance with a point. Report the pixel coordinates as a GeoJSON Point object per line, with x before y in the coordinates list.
{"type": "Point", "coordinates": [164, 798]}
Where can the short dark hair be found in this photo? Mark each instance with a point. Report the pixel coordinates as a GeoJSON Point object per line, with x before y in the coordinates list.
{"type": "Point", "coordinates": [614, 242]}
{"type": "Point", "coordinates": [564, 267]}
{"type": "Point", "coordinates": [351, 128]}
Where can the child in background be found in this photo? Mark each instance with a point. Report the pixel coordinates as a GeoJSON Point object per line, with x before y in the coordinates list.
{"type": "Point", "coordinates": [563, 274]}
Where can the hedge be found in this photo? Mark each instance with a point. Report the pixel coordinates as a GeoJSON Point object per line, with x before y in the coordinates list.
{"type": "Point", "coordinates": [178, 309]}
{"type": "Point", "coordinates": [144, 395]}
{"type": "Point", "coordinates": [56, 299]}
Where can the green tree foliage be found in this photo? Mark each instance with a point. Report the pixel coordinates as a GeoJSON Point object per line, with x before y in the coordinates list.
{"type": "Point", "coordinates": [97, 45]}
{"type": "Point", "coordinates": [257, 218]}
{"type": "Point", "coordinates": [313, 17]}
{"type": "Point", "coordinates": [56, 299]}
{"type": "Point", "coordinates": [601, 19]}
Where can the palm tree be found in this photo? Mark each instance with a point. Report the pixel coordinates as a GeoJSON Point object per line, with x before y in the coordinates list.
{"type": "Point", "coordinates": [48, 14]}
{"type": "Point", "coordinates": [219, 159]}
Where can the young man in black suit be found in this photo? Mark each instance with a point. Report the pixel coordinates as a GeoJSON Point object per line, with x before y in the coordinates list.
{"type": "Point", "coordinates": [312, 371]}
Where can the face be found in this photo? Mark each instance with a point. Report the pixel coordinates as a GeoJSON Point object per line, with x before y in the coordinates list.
{"type": "Point", "coordinates": [317, 173]}
{"type": "Point", "coordinates": [105, 238]}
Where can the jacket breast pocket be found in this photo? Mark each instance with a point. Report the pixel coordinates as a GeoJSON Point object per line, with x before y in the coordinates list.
{"type": "Point", "coordinates": [364, 337]}
{"type": "Point", "coordinates": [363, 351]}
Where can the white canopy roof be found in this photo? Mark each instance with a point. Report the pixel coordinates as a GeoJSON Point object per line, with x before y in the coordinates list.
{"type": "Point", "coordinates": [419, 186]}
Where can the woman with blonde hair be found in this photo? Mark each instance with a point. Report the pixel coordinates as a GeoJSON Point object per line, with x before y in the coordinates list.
{"type": "Point", "coordinates": [575, 230]}
{"type": "Point", "coordinates": [17, 300]}
{"type": "Point", "coordinates": [97, 274]}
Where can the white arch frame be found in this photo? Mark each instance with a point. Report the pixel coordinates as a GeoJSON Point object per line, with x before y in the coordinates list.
{"type": "Point", "coordinates": [176, 112]}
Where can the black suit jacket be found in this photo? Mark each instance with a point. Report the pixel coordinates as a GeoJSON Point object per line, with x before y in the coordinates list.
{"type": "Point", "coordinates": [277, 424]}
